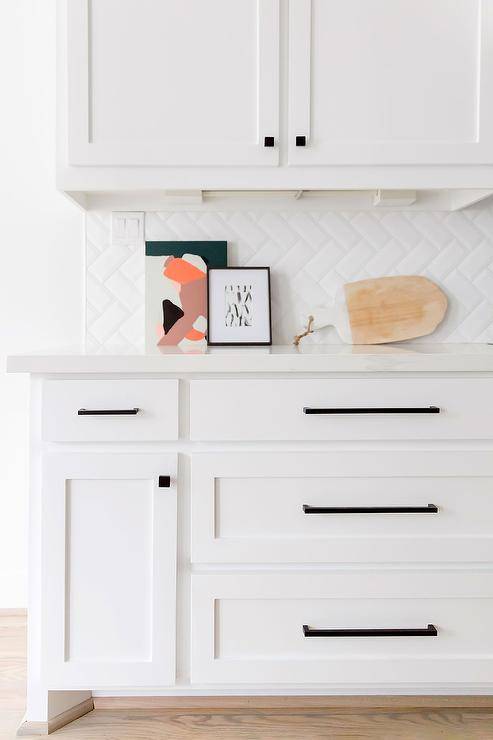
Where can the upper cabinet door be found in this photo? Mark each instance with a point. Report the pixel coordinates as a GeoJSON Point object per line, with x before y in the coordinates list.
{"type": "Point", "coordinates": [391, 81]}
{"type": "Point", "coordinates": [173, 82]}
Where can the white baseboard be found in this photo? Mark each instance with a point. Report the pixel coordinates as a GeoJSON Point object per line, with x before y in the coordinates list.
{"type": "Point", "coordinates": [395, 689]}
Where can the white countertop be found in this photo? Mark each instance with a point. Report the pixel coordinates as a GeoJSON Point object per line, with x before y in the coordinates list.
{"type": "Point", "coordinates": [277, 359]}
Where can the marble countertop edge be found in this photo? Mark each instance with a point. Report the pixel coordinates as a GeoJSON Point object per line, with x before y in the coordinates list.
{"type": "Point", "coordinates": [276, 359]}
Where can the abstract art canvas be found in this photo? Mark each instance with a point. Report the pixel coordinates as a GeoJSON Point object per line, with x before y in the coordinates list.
{"type": "Point", "coordinates": [176, 292]}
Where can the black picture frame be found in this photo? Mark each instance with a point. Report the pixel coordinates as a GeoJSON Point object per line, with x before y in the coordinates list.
{"type": "Point", "coordinates": [238, 344]}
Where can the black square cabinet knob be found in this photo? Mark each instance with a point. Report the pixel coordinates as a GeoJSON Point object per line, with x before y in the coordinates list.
{"type": "Point", "coordinates": [268, 141]}
{"type": "Point", "coordinates": [164, 481]}
{"type": "Point", "coordinates": [301, 141]}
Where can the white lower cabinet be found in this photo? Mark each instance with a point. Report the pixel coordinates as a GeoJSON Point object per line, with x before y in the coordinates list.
{"type": "Point", "coordinates": [250, 628]}
{"type": "Point", "coordinates": [109, 569]}
{"type": "Point", "coordinates": [363, 566]}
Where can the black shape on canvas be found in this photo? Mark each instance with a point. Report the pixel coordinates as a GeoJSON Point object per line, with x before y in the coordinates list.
{"type": "Point", "coordinates": [171, 314]}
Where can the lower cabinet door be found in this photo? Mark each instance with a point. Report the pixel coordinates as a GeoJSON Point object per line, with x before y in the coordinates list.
{"type": "Point", "coordinates": [109, 569]}
{"type": "Point", "coordinates": [346, 628]}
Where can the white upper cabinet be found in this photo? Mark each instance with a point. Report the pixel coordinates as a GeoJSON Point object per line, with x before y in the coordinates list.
{"type": "Point", "coordinates": [375, 82]}
{"type": "Point", "coordinates": [213, 95]}
{"type": "Point", "coordinates": [173, 82]}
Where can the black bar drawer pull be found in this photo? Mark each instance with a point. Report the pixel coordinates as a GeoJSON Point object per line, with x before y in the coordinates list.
{"type": "Point", "coordinates": [429, 631]}
{"type": "Point", "coordinates": [107, 412]}
{"type": "Point", "coordinates": [383, 410]}
{"type": "Point", "coordinates": [430, 509]}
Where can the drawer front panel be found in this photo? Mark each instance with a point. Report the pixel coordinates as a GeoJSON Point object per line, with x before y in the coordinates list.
{"type": "Point", "coordinates": [340, 507]}
{"type": "Point", "coordinates": [250, 628]}
{"type": "Point", "coordinates": [340, 409]}
{"type": "Point", "coordinates": [110, 410]}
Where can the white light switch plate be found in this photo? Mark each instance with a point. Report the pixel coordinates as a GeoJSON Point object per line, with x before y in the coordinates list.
{"type": "Point", "coordinates": [127, 228]}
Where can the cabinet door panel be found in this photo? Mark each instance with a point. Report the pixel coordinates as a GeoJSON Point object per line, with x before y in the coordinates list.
{"type": "Point", "coordinates": [172, 82]}
{"type": "Point", "coordinates": [109, 572]}
{"type": "Point", "coordinates": [391, 81]}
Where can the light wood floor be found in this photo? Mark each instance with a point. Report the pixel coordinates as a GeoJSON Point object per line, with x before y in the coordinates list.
{"type": "Point", "coordinates": [231, 724]}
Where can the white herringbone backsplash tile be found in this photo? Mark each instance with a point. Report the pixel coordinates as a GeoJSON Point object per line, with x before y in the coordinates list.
{"type": "Point", "coordinates": [310, 255]}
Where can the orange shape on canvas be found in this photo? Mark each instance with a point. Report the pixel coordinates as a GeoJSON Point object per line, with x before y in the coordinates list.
{"type": "Point", "coordinates": [195, 335]}
{"type": "Point", "coordinates": [182, 271]}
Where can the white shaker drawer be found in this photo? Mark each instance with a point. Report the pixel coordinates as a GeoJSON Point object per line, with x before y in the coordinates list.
{"type": "Point", "coordinates": [249, 628]}
{"type": "Point", "coordinates": [109, 410]}
{"type": "Point", "coordinates": [342, 409]}
{"type": "Point", "coordinates": [342, 507]}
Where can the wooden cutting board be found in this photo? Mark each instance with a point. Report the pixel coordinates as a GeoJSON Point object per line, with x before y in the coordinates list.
{"type": "Point", "coordinates": [391, 309]}
{"type": "Point", "coordinates": [380, 310]}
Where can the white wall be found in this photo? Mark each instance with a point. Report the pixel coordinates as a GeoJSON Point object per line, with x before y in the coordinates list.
{"type": "Point", "coordinates": [41, 246]}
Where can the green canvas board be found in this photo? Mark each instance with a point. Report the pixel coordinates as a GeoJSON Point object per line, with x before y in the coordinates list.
{"type": "Point", "coordinates": [213, 253]}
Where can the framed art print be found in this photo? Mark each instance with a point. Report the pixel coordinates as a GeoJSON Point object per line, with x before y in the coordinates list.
{"type": "Point", "coordinates": [176, 292]}
{"type": "Point", "coordinates": [239, 306]}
